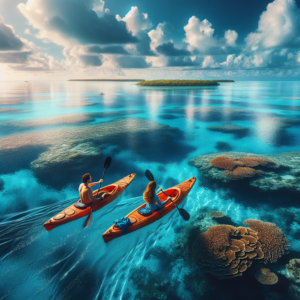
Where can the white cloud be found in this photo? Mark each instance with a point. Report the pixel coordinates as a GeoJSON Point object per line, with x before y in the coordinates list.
{"type": "Point", "coordinates": [99, 7]}
{"type": "Point", "coordinates": [159, 36]}
{"type": "Point", "coordinates": [231, 37]}
{"type": "Point", "coordinates": [209, 62]}
{"type": "Point", "coordinates": [8, 38]}
{"type": "Point", "coordinates": [199, 35]}
{"type": "Point", "coordinates": [279, 26]}
{"type": "Point", "coordinates": [136, 21]}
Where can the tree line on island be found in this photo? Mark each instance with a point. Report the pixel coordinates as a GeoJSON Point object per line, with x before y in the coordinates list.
{"type": "Point", "coordinates": [163, 82]}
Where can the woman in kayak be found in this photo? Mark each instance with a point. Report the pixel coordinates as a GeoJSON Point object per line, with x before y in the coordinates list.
{"type": "Point", "coordinates": [152, 200]}
{"type": "Point", "coordinates": [86, 193]}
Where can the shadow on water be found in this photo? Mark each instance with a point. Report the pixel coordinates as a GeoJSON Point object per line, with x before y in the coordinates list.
{"type": "Point", "coordinates": [223, 147]}
{"type": "Point", "coordinates": [13, 160]}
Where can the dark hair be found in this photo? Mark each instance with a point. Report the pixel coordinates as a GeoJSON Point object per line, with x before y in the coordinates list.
{"type": "Point", "coordinates": [86, 177]}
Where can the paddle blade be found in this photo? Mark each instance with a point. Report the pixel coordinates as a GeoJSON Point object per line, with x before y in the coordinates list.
{"type": "Point", "coordinates": [185, 215]}
{"type": "Point", "coordinates": [107, 162]}
{"type": "Point", "coordinates": [88, 220]}
{"type": "Point", "coordinates": [149, 175]}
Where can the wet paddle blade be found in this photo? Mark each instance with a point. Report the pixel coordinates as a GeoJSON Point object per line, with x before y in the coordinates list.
{"type": "Point", "coordinates": [185, 215]}
{"type": "Point", "coordinates": [88, 220]}
{"type": "Point", "coordinates": [107, 162]}
{"type": "Point", "coordinates": [149, 175]}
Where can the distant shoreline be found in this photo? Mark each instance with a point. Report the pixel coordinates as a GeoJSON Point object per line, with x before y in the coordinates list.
{"type": "Point", "coordinates": [106, 79]}
{"type": "Point", "coordinates": [183, 82]}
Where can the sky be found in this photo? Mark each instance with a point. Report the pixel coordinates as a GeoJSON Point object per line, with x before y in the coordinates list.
{"type": "Point", "coordinates": [157, 39]}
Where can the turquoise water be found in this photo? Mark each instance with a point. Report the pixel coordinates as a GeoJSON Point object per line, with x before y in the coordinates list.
{"type": "Point", "coordinates": [53, 132]}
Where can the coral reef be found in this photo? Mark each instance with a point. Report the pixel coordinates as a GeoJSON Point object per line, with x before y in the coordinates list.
{"type": "Point", "coordinates": [238, 131]}
{"type": "Point", "coordinates": [265, 276]}
{"type": "Point", "coordinates": [217, 214]}
{"type": "Point", "coordinates": [292, 274]}
{"type": "Point", "coordinates": [294, 269]}
{"type": "Point", "coordinates": [250, 161]}
{"type": "Point", "coordinates": [242, 172]}
{"type": "Point", "coordinates": [273, 242]}
{"type": "Point", "coordinates": [226, 251]}
{"type": "Point", "coordinates": [281, 172]}
{"type": "Point", "coordinates": [223, 162]}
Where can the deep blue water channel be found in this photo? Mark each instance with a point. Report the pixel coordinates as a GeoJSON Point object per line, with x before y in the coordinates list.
{"type": "Point", "coordinates": [51, 133]}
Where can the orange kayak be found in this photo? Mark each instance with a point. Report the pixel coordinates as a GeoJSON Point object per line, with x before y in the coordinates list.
{"type": "Point", "coordinates": [72, 213]}
{"type": "Point", "coordinates": [178, 192]}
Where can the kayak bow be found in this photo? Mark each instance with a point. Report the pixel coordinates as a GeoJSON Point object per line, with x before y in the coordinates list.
{"type": "Point", "coordinates": [73, 213]}
{"type": "Point", "coordinates": [179, 192]}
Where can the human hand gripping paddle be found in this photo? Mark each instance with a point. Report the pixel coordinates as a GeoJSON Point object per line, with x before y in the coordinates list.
{"type": "Point", "coordinates": [183, 213]}
{"type": "Point", "coordinates": [89, 218]}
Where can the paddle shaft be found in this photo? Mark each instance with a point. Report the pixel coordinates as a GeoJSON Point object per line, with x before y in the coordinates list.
{"type": "Point", "coordinates": [101, 182]}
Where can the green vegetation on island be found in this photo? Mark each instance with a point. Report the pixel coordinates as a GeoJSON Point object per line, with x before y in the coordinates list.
{"type": "Point", "coordinates": [182, 82]}
{"type": "Point", "coordinates": [106, 80]}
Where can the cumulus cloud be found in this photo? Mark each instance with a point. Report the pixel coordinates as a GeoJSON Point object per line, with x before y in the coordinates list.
{"type": "Point", "coordinates": [209, 63]}
{"type": "Point", "coordinates": [68, 22]}
{"type": "Point", "coordinates": [199, 35]}
{"type": "Point", "coordinates": [278, 27]}
{"type": "Point", "coordinates": [181, 62]}
{"type": "Point", "coordinates": [135, 21]}
{"type": "Point", "coordinates": [231, 37]}
{"type": "Point", "coordinates": [160, 35]}
{"type": "Point", "coordinates": [168, 49]}
{"type": "Point", "coordinates": [8, 39]}
{"type": "Point", "coordinates": [20, 54]}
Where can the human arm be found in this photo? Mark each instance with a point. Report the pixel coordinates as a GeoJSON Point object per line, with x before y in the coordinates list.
{"type": "Point", "coordinates": [93, 183]}
{"type": "Point", "coordinates": [159, 203]}
{"type": "Point", "coordinates": [92, 197]}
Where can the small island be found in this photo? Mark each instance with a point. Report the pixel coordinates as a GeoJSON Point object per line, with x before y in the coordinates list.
{"type": "Point", "coordinates": [106, 80]}
{"type": "Point", "coordinates": [182, 82]}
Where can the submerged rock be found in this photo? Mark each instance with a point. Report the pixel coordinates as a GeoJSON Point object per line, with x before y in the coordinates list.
{"type": "Point", "coordinates": [238, 131]}
{"type": "Point", "coordinates": [292, 273]}
{"type": "Point", "coordinates": [65, 153]}
{"type": "Point", "coordinates": [283, 173]}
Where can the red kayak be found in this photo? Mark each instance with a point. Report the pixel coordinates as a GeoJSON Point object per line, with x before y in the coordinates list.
{"type": "Point", "coordinates": [178, 192]}
{"type": "Point", "coordinates": [73, 213]}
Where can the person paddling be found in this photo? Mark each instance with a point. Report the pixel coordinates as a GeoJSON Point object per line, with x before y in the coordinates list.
{"type": "Point", "coordinates": [152, 200]}
{"type": "Point", "coordinates": [86, 193]}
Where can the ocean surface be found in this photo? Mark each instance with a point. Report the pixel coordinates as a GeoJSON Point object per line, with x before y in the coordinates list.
{"type": "Point", "coordinates": [51, 133]}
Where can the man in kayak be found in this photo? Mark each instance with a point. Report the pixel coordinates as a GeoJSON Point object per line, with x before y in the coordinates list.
{"type": "Point", "coordinates": [152, 200]}
{"type": "Point", "coordinates": [86, 193]}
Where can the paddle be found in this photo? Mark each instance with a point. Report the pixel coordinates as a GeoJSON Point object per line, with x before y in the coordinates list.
{"type": "Point", "coordinates": [89, 218]}
{"type": "Point", "coordinates": [183, 213]}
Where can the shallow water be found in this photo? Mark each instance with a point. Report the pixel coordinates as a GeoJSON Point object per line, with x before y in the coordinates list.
{"type": "Point", "coordinates": [53, 132]}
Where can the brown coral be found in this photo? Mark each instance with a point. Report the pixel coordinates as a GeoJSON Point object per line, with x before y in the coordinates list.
{"type": "Point", "coordinates": [242, 172]}
{"type": "Point", "coordinates": [223, 162]}
{"type": "Point", "coordinates": [265, 276]}
{"type": "Point", "coordinates": [273, 242]}
{"type": "Point", "coordinates": [221, 251]}
{"type": "Point", "coordinates": [217, 214]}
{"type": "Point", "coordinates": [255, 161]}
